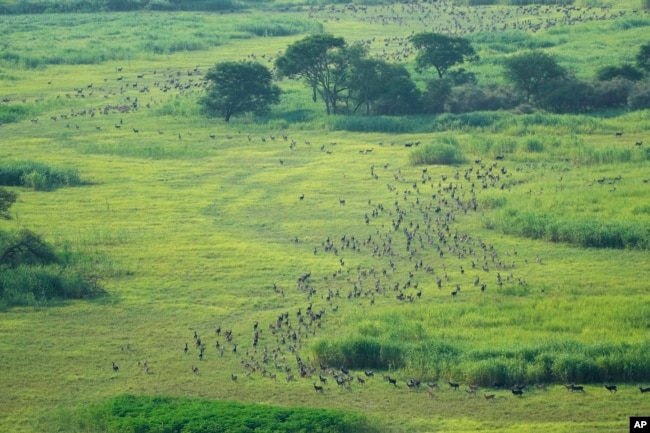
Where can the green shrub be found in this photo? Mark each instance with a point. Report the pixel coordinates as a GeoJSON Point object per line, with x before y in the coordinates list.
{"type": "Point", "coordinates": [137, 414]}
{"type": "Point", "coordinates": [639, 97]}
{"type": "Point", "coordinates": [36, 175]}
{"type": "Point", "coordinates": [436, 153]}
{"type": "Point", "coordinates": [359, 352]}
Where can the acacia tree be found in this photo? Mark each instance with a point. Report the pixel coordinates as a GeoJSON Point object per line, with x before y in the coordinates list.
{"type": "Point", "coordinates": [441, 51]}
{"type": "Point", "coordinates": [383, 88]}
{"type": "Point", "coordinates": [530, 71]}
{"type": "Point", "coordinates": [322, 61]}
{"type": "Point", "coordinates": [239, 87]}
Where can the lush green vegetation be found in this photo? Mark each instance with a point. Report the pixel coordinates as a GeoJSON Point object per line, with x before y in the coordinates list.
{"type": "Point", "coordinates": [132, 414]}
{"type": "Point", "coordinates": [36, 175]}
{"type": "Point", "coordinates": [506, 246]}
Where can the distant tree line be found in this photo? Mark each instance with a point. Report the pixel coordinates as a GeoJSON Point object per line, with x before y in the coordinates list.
{"type": "Point", "coordinates": [348, 81]}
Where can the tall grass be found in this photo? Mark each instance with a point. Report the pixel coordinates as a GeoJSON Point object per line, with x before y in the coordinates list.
{"type": "Point", "coordinates": [437, 153]}
{"type": "Point", "coordinates": [588, 233]}
{"type": "Point", "coordinates": [37, 175]}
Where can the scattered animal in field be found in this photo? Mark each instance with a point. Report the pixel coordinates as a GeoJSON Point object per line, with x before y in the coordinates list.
{"type": "Point", "coordinates": [644, 390]}
{"type": "Point", "coordinates": [611, 388]}
{"type": "Point", "coordinates": [454, 386]}
{"type": "Point", "coordinates": [115, 367]}
{"type": "Point", "coordinates": [318, 388]}
{"type": "Point", "coordinates": [571, 387]}
{"type": "Point", "coordinates": [517, 392]}
{"type": "Point", "coordinates": [489, 396]}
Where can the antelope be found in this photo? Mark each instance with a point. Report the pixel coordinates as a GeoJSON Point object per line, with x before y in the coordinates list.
{"type": "Point", "coordinates": [454, 385]}
{"type": "Point", "coordinates": [318, 388]}
{"type": "Point", "coordinates": [611, 388]}
{"type": "Point", "coordinates": [489, 396]}
{"type": "Point", "coordinates": [644, 390]}
{"type": "Point", "coordinates": [518, 392]}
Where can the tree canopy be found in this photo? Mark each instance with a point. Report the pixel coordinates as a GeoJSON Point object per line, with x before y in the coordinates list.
{"type": "Point", "coordinates": [239, 87]}
{"type": "Point", "coordinates": [441, 52]}
{"type": "Point", "coordinates": [322, 61]}
{"type": "Point", "coordinates": [530, 71]}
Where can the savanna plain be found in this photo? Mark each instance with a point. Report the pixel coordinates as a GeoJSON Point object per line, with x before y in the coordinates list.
{"type": "Point", "coordinates": [311, 266]}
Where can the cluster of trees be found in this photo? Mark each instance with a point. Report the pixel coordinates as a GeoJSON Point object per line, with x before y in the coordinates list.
{"type": "Point", "coordinates": [348, 81]}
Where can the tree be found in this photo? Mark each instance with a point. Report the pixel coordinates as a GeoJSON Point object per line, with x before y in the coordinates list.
{"type": "Point", "coordinates": [322, 61]}
{"type": "Point", "coordinates": [7, 199]}
{"type": "Point", "coordinates": [530, 71]}
{"type": "Point", "coordinates": [239, 87]}
{"type": "Point", "coordinates": [643, 57]}
{"type": "Point", "coordinates": [382, 88]}
{"type": "Point", "coordinates": [625, 71]}
{"type": "Point", "coordinates": [441, 51]}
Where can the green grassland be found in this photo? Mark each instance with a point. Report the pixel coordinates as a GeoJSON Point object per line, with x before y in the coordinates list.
{"type": "Point", "coordinates": [192, 224]}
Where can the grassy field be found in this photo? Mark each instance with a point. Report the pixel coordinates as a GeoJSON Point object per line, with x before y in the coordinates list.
{"type": "Point", "coordinates": [193, 225]}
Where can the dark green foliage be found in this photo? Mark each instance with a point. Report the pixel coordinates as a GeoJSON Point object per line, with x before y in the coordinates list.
{"type": "Point", "coordinates": [32, 272]}
{"type": "Point", "coordinates": [436, 153]}
{"type": "Point", "coordinates": [441, 51]}
{"type": "Point", "coordinates": [639, 97]}
{"type": "Point", "coordinates": [139, 414]}
{"type": "Point", "coordinates": [12, 113]}
{"type": "Point", "coordinates": [237, 88]}
{"type": "Point", "coordinates": [565, 96]}
{"type": "Point", "coordinates": [625, 71]}
{"type": "Point", "coordinates": [321, 61]}
{"type": "Point", "coordinates": [360, 353]}
{"type": "Point", "coordinates": [36, 175]}
{"type": "Point", "coordinates": [24, 248]}
{"type": "Point", "coordinates": [435, 97]}
{"type": "Point", "coordinates": [470, 97]}
{"type": "Point", "coordinates": [382, 88]}
{"type": "Point", "coordinates": [611, 94]}
{"type": "Point", "coordinates": [7, 199]}
{"type": "Point", "coordinates": [529, 72]}
{"type": "Point", "coordinates": [585, 233]}
{"type": "Point", "coordinates": [643, 57]}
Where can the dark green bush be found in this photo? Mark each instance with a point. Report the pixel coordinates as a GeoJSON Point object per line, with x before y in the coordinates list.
{"type": "Point", "coordinates": [639, 97]}
{"type": "Point", "coordinates": [585, 233]}
{"type": "Point", "coordinates": [139, 414]}
{"type": "Point", "coordinates": [359, 352]}
{"type": "Point", "coordinates": [12, 113]}
{"type": "Point", "coordinates": [37, 175]}
{"type": "Point", "coordinates": [436, 153]}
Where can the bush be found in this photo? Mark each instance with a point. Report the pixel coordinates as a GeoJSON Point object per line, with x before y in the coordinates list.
{"type": "Point", "coordinates": [36, 175]}
{"type": "Point", "coordinates": [639, 97]}
{"type": "Point", "coordinates": [436, 153]}
{"type": "Point", "coordinates": [138, 414]}
{"type": "Point", "coordinates": [435, 97]}
{"type": "Point", "coordinates": [359, 353]}
{"type": "Point", "coordinates": [565, 96]}
{"type": "Point", "coordinates": [626, 71]}
{"type": "Point", "coordinates": [611, 94]}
